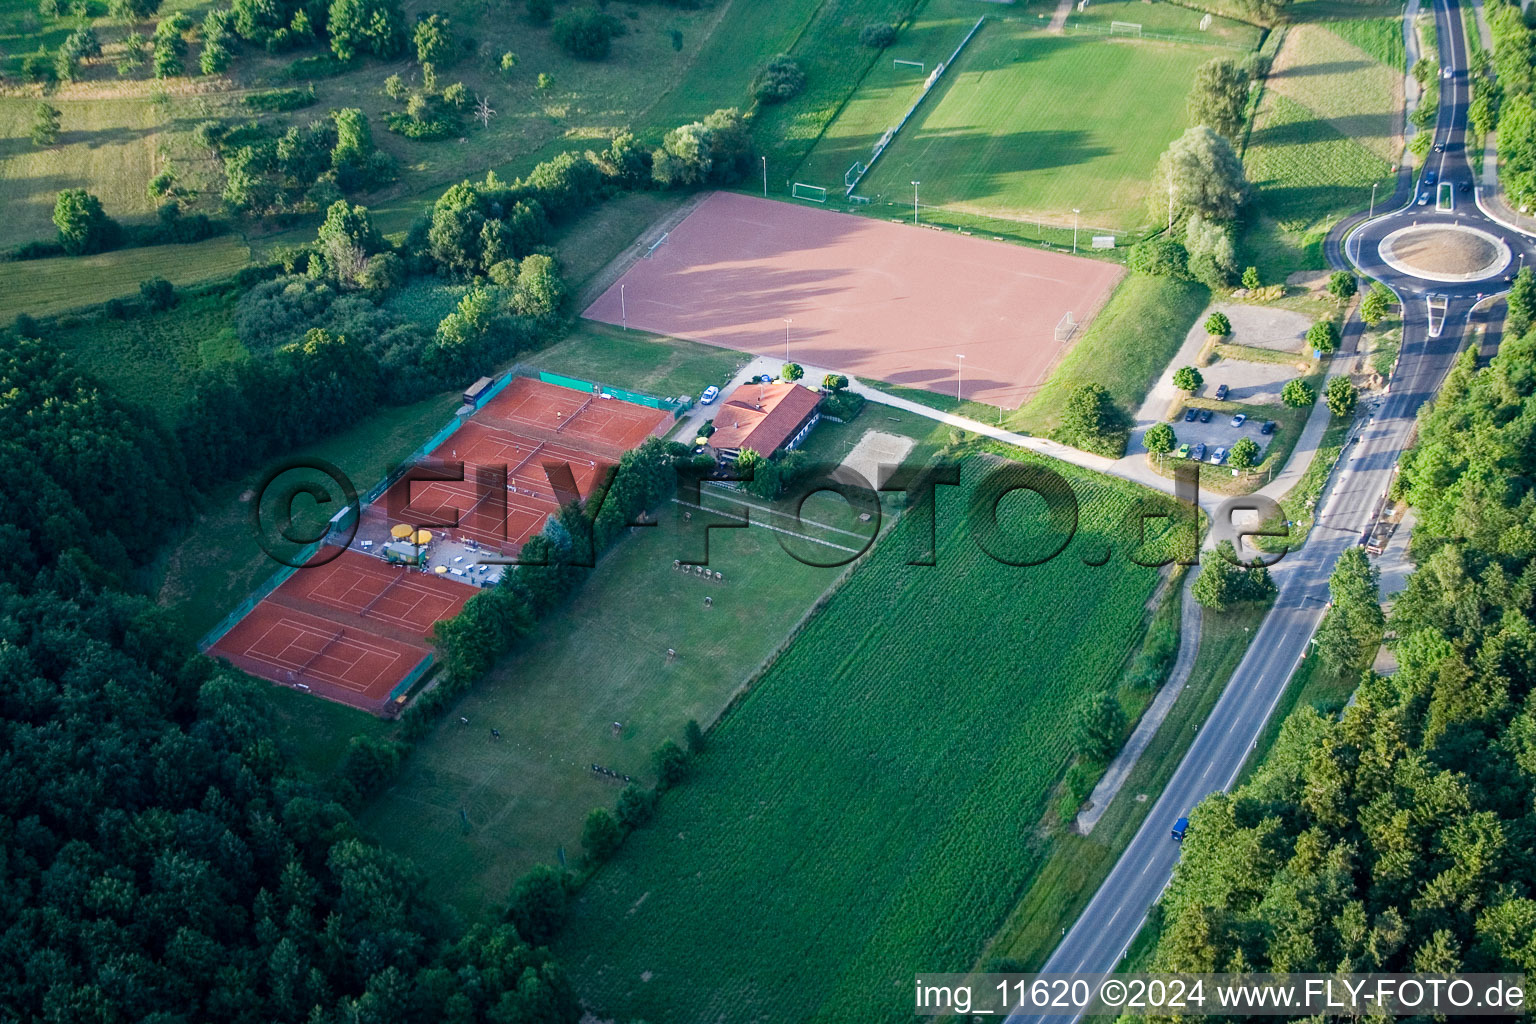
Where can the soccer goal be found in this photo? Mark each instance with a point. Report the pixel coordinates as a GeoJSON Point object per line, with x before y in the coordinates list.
{"type": "Point", "coordinates": [1205, 23]}
{"type": "Point", "coordinates": [915, 65]}
{"type": "Point", "coordinates": [1125, 28]}
{"type": "Point", "coordinates": [810, 193]}
{"type": "Point", "coordinates": [1066, 328]}
{"type": "Point", "coordinates": [853, 173]}
{"type": "Point", "coordinates": [656, 244]}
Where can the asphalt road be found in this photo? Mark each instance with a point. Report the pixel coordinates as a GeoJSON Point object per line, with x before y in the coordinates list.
{"type": "Point", "coordinates": [1101, 935]}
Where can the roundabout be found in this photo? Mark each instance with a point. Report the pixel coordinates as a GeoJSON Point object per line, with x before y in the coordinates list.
{"type": "Point", "coordinates": [1450, 253]}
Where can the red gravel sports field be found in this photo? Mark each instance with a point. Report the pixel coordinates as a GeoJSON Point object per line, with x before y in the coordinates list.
{"type": "Point", "coordinates": [883, 301]}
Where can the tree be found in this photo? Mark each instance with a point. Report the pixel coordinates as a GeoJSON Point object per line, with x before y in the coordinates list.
{"type": "Point", "coordinates": [158, 294]}
{"type": "Point", "coordinates": [1212, 252]}
{"type": "Point", "coordinates": [1378, 303]}
{"type": "Point", "coordinates": [877, 35]}
{"type": "Point", "coordinates": [1219, 96]}
{"type": "Point", "coordinates": [670, 763]}
{"type": "Point", "coordinates": [1159, 439]}
{"type": "Point", "coordinates": [1187, 378]}
{"type": "Point", "coordinates": [600, 835]}
{"type": "Point", "coordinates": [1341, 396]}
{"type": "Point", "coordinates": [778, 79]}
{"type": "Point", "coordinates": [79, 46]}
{"type": "Point", "coordinates": [170, 45]}
{"type": "Point", "coordinates": [366, 26]}
{"type": "Point", "coordinates": [1225, 580]}
{"type": "Point", "coordinates": [433, 37]}
{"type": "Point", "coordinates": [539, 903]}
{"type": "Point", "coordinates": [83, 226]}
{"type": "Point", "coordinates": [717, 150]}
{"type": "Point", "coordinates": [1098, 724]}
{"type": "Point", "coordinates": [1355, 621]}
{"type": "Point", "coordinates": [1342, 285]}
{"type": "Point", "coordinates": [539, 290]}
{"type": "Point", "coordinates": [834, 382]}
{"type": "Point", "coordinates": [1297, 394]}
{"type": "Point", "coordinates": [792, 371]}
{"type": "Point", "coordinates": [1323, 336]}
{"type": "Point", "coordinates": [45, 124]}
{"type": "Point", "coordinates": [133, 10]}
{"type": "Point", "coordinates": [694, 737]}
{"type": "Point", "coordinates": [1218, 324]}
{"type": "Point", "coordinates": [39, 67]}
{"type": "Point", "coordinates": [1160, 257]}
{"type": "Point", "coordinates": [1521, 303]}
{"type": "Point", "coordinates": [1090, 420]}
{"type": "Point", "coordinates": [1251, 278]}
{"type": "Point", "coordinates": [1244, 453]}
{"type": "Point", "coordinates": [1199, 173]}
{"type": "Point", "coordinates": [635, 807]}
{"type": "Point", "coordinates": [585, 34]}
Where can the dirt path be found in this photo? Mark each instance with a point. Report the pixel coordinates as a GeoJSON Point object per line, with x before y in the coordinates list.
{"type": "Point", "coordinates": [1059, 18]}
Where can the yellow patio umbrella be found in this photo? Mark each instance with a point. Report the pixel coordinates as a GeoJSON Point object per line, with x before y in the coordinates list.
{"type": "Point", "coordinates": [422, 537]}
{"type": "Point", "coordinates": [400, 531]}
{"type": "Point", "coordinates": [701, 440]}
{"type": "Point", "coordinates": [441, 570]}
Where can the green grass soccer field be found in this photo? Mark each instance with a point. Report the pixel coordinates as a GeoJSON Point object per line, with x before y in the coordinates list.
{"type": "Point", "coordinates": [1030, 125]}
{"type": "Point", "coordinates": [870, 805]}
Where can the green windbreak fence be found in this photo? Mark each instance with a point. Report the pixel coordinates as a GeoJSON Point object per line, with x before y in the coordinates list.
{"type": "Point", "coordinates": [674, 406]}
{"type": "Point", "coordinates": [255, 597]}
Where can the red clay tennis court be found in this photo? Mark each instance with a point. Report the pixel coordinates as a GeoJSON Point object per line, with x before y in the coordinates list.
{"type": "Point", "coordinates": [550, 412]}
{"type": "Point", "coordinates": [374, 589]}
{"type": "Point", "coordinates": [529, 499]}
{"type": "Point", "coordinates": [888, 302]}
{"type": "Point", "coordinates": [331, 660]}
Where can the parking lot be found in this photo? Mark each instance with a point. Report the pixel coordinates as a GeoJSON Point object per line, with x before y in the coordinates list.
{"type": "Point", "coordinates": [1248, 383]}
{"type": "Point", "coordinates": [1219, 433]}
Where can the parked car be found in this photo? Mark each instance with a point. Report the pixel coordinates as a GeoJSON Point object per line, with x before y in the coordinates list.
{"type": "Point", "coordinates": [710, 394]}
{"type": "Point", "coordinates": [1205, 415]}
{"type": "Point", "coordinates": [1190, 414]}
{"type": "Point", "coordinates": [1199, 453]}
{"type": "Point", "coordinates": [1221, 392]}
{"type": "Point", "coordinates": [1183, 452]}
{"type": "Point", "coordinates": [1218, 456]}
{"type": "Point", "coordinates": [1268, 427]}
{"type": "Point", "coordinates": [1180, 829]}
{"type": "Point", "coordinates": [1239, 419]}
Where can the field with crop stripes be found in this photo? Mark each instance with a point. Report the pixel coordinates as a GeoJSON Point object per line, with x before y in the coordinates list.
{"type": "Point", "coordinates": [869, 809]}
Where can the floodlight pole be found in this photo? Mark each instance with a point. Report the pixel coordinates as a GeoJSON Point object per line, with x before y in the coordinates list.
{"type": "Point", "coordinates": [960, 377]}
{"type": "Point", "coordinates": [914, 200]}
{"type": "Point", "coordinates": [765, 177]}
{"type": "Point", "coordinates": [787, 322]}
{"type": "Point", "coordinates": [1372, 212]}
{"type": "Point", "coordinates": [623, 308]}
{"type": "Point", "coordinates": [1075, 212]}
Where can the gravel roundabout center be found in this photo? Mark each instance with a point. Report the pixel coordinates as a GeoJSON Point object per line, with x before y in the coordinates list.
{"type": "Point", "coordinates": [1445, 253]}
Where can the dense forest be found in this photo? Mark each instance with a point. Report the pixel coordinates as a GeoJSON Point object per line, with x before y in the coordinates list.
{"type": "Point", "coordinates": [159, 859]}
{"type": "Point", "coordinates": [1401, 835]}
